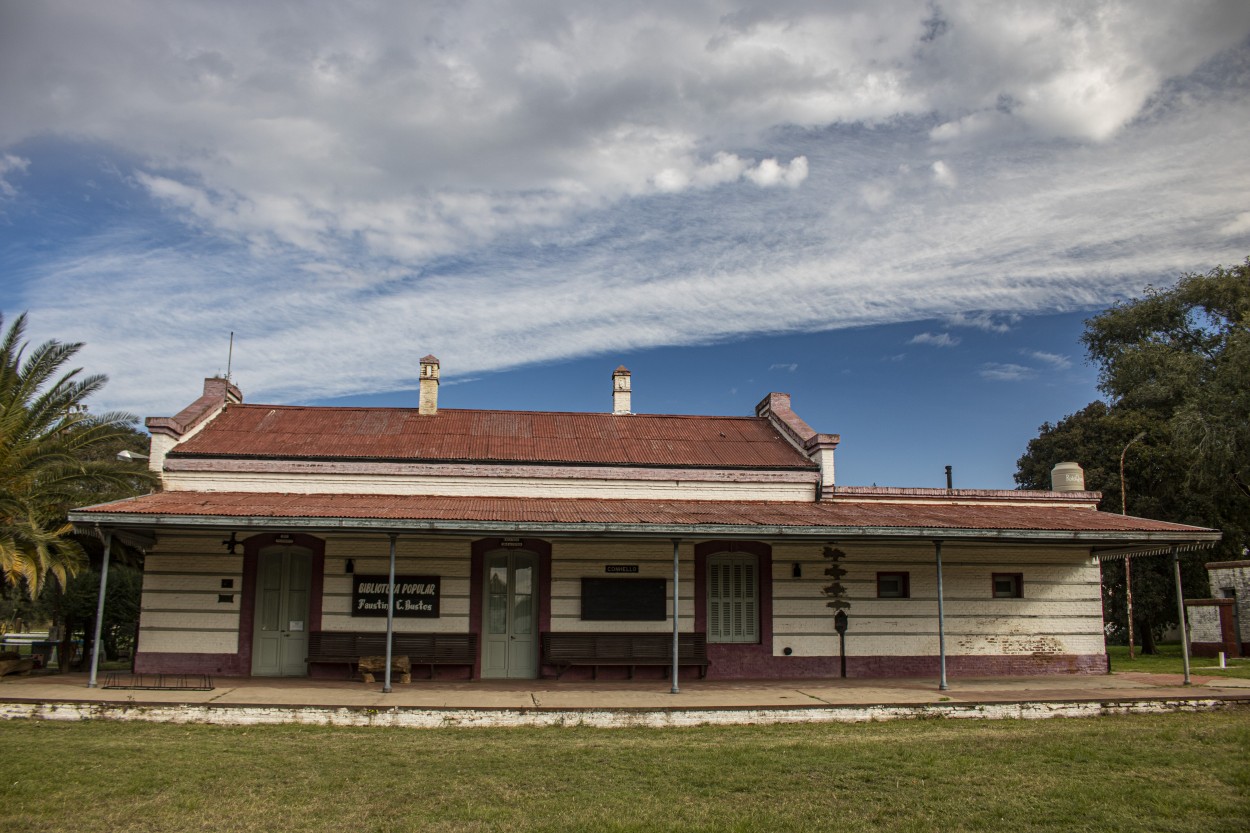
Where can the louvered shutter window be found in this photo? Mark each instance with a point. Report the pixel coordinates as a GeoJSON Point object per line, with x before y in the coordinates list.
{"type": "Point", "coordinates": [733, 598]}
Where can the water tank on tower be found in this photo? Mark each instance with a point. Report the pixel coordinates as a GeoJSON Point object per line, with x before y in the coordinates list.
{"type": "Point", "coordinates": [1067, 477]}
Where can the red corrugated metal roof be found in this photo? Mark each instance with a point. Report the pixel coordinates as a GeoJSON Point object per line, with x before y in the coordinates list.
{"type": "Point", "coordinates": [871, 514]}
{"type": "Point", "coordinates": [494, 436]}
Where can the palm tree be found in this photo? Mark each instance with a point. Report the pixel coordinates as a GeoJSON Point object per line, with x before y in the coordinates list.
{"type": "Point", "coordinates": [54, 455]}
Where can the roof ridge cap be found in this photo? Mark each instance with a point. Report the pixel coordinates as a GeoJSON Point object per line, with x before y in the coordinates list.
{"type": "Point", "coordinates": [414, 409]}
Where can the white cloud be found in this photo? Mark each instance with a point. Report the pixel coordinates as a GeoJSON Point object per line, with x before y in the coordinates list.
{"type": "Point", "coordinates": [876, 195]}
{"type": "Point", "coordinates": [769, 172]}
{"type": "Point", "coordinates": [935, 339]}
{"type": "Point", "coordinates": [995, 372]}
{"type": "Point", "coordinates": [729, 167]}
{"type": "Point", "coordinates": [974, 126]}
{"type": "Point", "coordinates": [1053, 360]}
{"type": "Point", "coordinates": [1239, 226]}
{"type": "Point", "coordinates": [989, 322]}
{"type": "Point", "coordinates": [502, 184]}
{"type": "Point", "coordinates": [1082, 72]}
{"type": "Point", "coordinates": [943, 175]}
{"type": "Point", "coordinates": [10, 164]}
{"type": "Point", "coordinates": [790, 367]}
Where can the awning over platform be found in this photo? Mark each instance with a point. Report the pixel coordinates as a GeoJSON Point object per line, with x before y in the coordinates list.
{"type": "Point", "coordinates": [1024, 521]}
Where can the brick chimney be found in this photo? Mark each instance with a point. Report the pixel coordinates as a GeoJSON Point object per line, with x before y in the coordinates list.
{"type": "Point", "coordinates": [620, 391]}
{"type": "Point", "coordinates": [819, 448]}
{"type": "Point", "coordinates": [429, 386]}
{"type": "Point", "coordinates": [167, 432]}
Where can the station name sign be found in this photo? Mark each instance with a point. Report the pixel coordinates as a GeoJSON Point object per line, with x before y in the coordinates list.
{"type": "Point", "coordinates": [416, 597]}
{"type": "Point", "coordinates": [620, 568]}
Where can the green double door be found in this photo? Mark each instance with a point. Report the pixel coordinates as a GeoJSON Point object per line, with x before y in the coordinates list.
{"type": "Point", "coordinates": [510, 615]}
{"type": "Point", "coordinates": [280, 628]}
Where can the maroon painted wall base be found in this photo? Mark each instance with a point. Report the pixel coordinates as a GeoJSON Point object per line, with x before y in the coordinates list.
{"type": "Point", "coordinates": [340, 671]}
{"type": "Point", "coordinates": [616, 673]}
{"type": "Point", "coordinates": [737, 663]}
{"type": "Point", "coordinates": [1211, 649]}
{"type": "Point", "coordinates": [729, 662]}
{"type": "Point", "coordinates": [226, 665]}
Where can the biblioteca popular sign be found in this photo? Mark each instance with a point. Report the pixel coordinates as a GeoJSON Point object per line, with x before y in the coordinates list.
{"type": "Point", "coordinates": [416, 597]}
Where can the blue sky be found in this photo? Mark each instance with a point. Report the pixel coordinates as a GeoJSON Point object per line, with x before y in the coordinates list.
{"type": "Point", "coordinates": [898, 212]}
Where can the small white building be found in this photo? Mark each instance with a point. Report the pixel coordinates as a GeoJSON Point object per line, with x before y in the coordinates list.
{"type": "Point", "coordinates": [516, 536]}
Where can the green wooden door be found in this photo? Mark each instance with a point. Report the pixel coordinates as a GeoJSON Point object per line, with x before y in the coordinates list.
{"type": "Point", "coordinates": [280, 627]}
{"type": "Point", "coordinates": [510, 615]}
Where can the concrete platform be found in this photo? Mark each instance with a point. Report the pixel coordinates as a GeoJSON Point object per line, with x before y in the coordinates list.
{"type": "Point", "coordinates": [252, 700]}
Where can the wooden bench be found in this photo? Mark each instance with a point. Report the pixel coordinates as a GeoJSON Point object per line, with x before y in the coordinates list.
{"type": "Point", "coordinates": [429, 649]}
{"type": "Point", "coordinates": [564, 650]}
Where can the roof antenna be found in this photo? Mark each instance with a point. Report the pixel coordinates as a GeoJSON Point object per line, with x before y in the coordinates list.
{"type": "Point", "coordinates": [230, 356]}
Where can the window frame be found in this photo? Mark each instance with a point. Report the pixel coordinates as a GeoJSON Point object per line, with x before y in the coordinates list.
{"type": "Point", "coordinates": [904, 580]}
{"type": "Point", "coordinates": [1017, 589]}
{"type": "Point", "coordinates": [750, 618]}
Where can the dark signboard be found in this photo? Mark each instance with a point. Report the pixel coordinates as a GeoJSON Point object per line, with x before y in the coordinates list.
{"type": "Point", "coordinates": [624, 599]}
{"type": "Point", "coordinates": [416, 597]}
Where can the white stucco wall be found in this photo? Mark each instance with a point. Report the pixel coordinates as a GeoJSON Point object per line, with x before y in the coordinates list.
{"type": "Point", "coordinates": [1060, 613]}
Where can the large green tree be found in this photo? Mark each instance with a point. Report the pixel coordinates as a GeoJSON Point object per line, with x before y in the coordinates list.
{"type": "Point", "coordinates": [1097, 436]}
{"type": "Point", "coordinates": [1175, 367]}
{"type": "Point", "coordinates": [54, 455]}
{"type": "Point", "coordinates": [1182, 355]}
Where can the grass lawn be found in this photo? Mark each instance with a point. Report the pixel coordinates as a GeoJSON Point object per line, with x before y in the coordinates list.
{"type": "Point", "coordinates": [1180, 772]}
{"type": "Point", "coordinates": [1170, 661]}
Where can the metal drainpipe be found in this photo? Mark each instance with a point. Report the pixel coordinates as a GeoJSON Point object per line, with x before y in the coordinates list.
{"type": "Point", "coordinates": [676, 596]}
{"type": "Point", "coordinates": [942, 686]}
{"type": "Point", "coordinates": [99, 609]}
{"type": "Point", "coordinates": [390, 618]}
{"type": "Point", "coordinates": [1180, 611]}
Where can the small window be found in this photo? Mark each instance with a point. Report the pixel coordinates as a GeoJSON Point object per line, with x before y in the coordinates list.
{"type": "Point", "coordinates": [1008, 585]}
{"type": "Point", "coordinates": [893, 586]}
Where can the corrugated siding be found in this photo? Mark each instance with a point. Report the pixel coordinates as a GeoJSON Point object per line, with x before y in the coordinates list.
{"type": "Point", "coordinates": [494, 436]}
{"type": "Point", "coordinates": [623, 511]}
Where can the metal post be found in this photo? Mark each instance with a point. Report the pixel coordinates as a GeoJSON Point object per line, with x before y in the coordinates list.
{"type": "Point", "coordinates": [1180, 611]}
{"type": "Point", "coordinates": [1128, 559]}
{"type": "Point", "coordinates": [839, 625]}
{"type": "Point", "coordinates": [99, 609]}
{"type": "Point", "coordinates": [1128, 598]}
{"type": "Point", "coordinates": [390, 618]}
{"type": "Point", "coordinates": [676, 578]}
{"type": "Point", "coordinates": [942, 686]}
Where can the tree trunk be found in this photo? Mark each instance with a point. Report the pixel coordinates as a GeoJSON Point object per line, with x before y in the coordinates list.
{"type": "Point", "coordinates": [108, 643]}
{"type": "Point", "coordinates": [65, 649]}
{"type": "Point", "coordinates": [1147, 631]}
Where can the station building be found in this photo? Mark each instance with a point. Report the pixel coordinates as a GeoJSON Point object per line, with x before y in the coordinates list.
{"type": "Point", "coordinates": [275, 528]}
